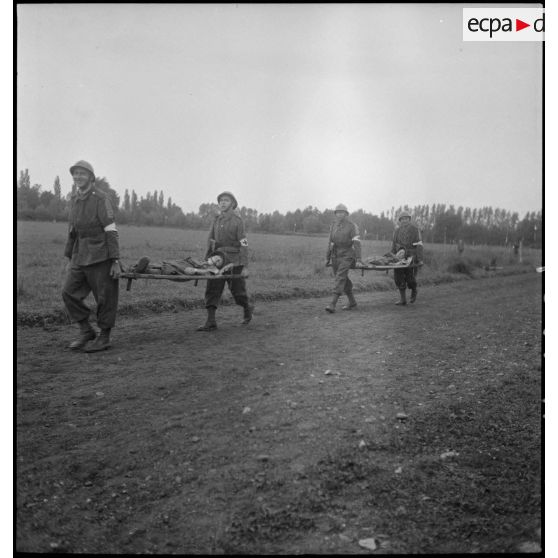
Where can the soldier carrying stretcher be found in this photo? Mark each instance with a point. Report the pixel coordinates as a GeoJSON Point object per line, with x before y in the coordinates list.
{"type": "Point", "coordinates": [227, 234]}
{"type": "Point", "coordinates": [407, 237]}
{"type": "Point", "coordinates": [93, 251]}
{"type": "Point", "coordinates": [344, 253]}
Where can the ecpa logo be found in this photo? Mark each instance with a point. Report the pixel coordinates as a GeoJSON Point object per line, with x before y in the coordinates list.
{"type": "Point", "coordinates": [503, 24]}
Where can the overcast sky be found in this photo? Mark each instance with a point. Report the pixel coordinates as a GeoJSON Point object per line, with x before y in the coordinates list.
{"type": "Point", "coordinates": [371, 105]}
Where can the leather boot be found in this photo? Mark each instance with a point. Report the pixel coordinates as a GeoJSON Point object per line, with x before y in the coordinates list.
{"type": "Point", "coordinates": [248, 312]}
{"type": "Point", "coordinates": [413, 295]}
{"type": "Point", "coordinates": [402, 298]}
{"type": "Point", "coordinates": [210, 323]}
{"type": "Point", "coordinates": [86, 333]}
{"type": "Point", "coordinates": [101, 343]}
{"type": "Point", "coordinates": [331, 306]}
{"type": "Point", "coordinates": [352, 302]}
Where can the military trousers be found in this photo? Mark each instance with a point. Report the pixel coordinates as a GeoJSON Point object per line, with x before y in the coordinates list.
{"type": "Point", "coordinates": [96, 279]}
{"type": "Point", "coordinates": [405, 278]}
{"type": "Point", "coordinates": [215, 287]}
{"type": "Point", "coordinates": [341, 265]}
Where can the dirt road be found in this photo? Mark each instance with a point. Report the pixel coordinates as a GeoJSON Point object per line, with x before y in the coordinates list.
{"type": "Point", "coordinates": [284, 436]}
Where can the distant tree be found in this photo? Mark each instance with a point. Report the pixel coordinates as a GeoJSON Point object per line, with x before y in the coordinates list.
{"type": "Point", "coordinates": [447, 227]}
{"type": "Point", "coordinates": [127, 201]}
{"type": "Point", "coordinates": [57, 204]}
{"type": "Point", "coordinates": [438, 222]}
{"type": "Point", "coordinates": [264, 221]}
{"type": "Point", "coordinates": [28, 197]}
{"type": "Point", "coordinates": [24, 181]}
{"type": "Point", "coordinates": [277, 223]}
{"type": "Point", "coordinates": [45, 198]}
{"type": "Point", "coordinates": [207, 212]}
{"type": "Point", "coordinates": [57, 189]}
{"type": "Point", "coordinates": [312, 224]}
{"type": "Point", "coordinates": [103, 184]}
{"type": "Point", "coordinates": [134, 203]}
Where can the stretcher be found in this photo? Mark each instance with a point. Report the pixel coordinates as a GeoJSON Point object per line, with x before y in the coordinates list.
{"type": "Point", "coordinates": [130, 276]}
{"type": "Point", "coordinates": [403, 264]}
{"type": "Point", "coordinates": [386, 268]}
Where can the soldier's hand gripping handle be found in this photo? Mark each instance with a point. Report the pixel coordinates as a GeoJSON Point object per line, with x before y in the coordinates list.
{"type": "Point", "coordinates": [115, 270]}
{"type": "Point", "coordinates": [225, 268]}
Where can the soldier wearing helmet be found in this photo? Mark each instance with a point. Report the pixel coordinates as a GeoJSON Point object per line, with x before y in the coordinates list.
{"type": "Point", "coordinates": [93, 250]}
{"type": "Point", "coordinates": [343, 251]}
{"type": "Point", "coordinates": [227, 235]}
{"type": "Point", "coordinates": [407, 237]}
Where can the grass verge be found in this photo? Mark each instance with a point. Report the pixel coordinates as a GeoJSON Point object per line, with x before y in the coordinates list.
{"type": "Point", "coordinates": [179, 303]}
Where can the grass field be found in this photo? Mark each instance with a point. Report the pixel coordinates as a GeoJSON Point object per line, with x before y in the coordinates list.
{"type": "Point", "coordinates": [280, 267]}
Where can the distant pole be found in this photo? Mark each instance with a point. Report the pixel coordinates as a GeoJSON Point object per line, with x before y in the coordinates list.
{"type": "Point", "coordinates": [521, 251]}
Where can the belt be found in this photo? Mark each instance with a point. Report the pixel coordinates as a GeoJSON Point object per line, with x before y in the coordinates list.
{"type": "Point", "coordinates": [89, 232]}
{"type": "Point", "coordinates": [228, 249]}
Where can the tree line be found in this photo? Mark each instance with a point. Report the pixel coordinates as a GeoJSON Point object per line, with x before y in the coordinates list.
{"type": "Point", "coordinates": [439, 223]}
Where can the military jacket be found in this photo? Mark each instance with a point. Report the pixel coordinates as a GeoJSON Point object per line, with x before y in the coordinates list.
{"type": "Point", "coordinates": [227, 234]}
{"type": "Point", "coordinates": [344, 240]}
{"type": "Point", "coordinates": [92, 234]}
{"type": "Point", "coordinates": [407, 236]}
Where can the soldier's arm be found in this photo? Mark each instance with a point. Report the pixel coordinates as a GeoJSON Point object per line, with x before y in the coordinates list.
{"type": "Point", "coordinates": [210, 240]}
{"type": "Point", "coordinates": [419, 246]}
{"type": "Point", "coordinates": [329, 245]}
{"type": "Point", "coordinates": [106, 217]}
{"type": "Point", "coordinates": [243, 243]}
{"type": "Point", "coordinates": [70, 241]}
{"type": "Point", "coordinates": [356, 243]}
{"type": "Point", "coordinates": [394, 243]}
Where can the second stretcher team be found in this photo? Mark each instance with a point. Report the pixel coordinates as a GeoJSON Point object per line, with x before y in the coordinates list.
{"type": "Point", "coordinates": [92, 248]}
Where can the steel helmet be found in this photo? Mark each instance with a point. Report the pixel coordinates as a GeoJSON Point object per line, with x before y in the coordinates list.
{"type": "Point", "coordinates": [341, 207]}
{"type": "Point", "coordinates": [404, 214]}
{"type": "Point", "coordinates": [83, 165]}
{"type": "Point", "coordinates": [235, 203]}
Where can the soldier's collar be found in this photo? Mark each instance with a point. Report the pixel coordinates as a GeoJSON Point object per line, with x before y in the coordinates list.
{"type": "Point", "coordinates": [82, 195]}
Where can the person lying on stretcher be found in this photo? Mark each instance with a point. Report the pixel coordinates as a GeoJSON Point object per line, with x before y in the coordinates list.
{"type": "Point", "coordinates": [388, 259]}
{"type": "Point", "coordinates": [216, 264]}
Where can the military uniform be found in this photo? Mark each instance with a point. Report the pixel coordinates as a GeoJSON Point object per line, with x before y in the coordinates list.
{"type": "Point", "coordinates": [407, 237]}
{"type": "Point", "coordinates": [343, 251]}
{"type": "Point", "coordinates": [227, 235]}
{"type": "Point", "coordinates": [92, 245]}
